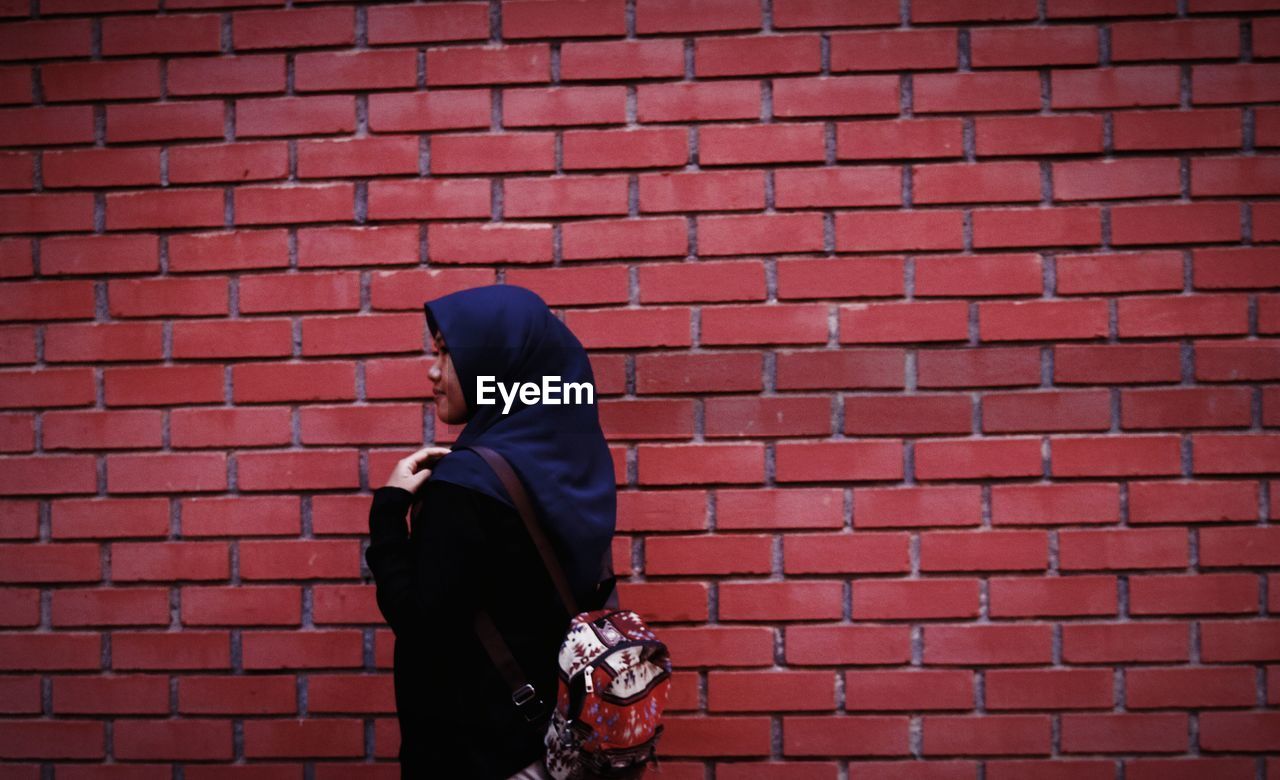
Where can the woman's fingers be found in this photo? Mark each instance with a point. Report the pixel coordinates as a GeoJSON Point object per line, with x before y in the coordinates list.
{"type": "Point", "coordinates": [424, 457]}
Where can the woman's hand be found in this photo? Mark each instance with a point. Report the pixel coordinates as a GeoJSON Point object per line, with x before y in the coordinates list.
{"type": "Point", "coordinates": [412, 471]}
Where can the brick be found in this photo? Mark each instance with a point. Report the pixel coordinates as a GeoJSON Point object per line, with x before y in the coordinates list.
{"type": "Point", "coordinates": [304, 470]}
{"type": "Point", "coordinates": [697, 101]}
{"type": "Point", "coordinates": [245, 74]}
{"type": "Point", "coordinates": [976, 183]}
{"type": "Point", "coordinates": [823, 645]}
{"type": "Point", "coordinates": [162, 650]}
{"type": "Point", "coordinates": [1005, 644]}
{"type": "Point", "coordinates": [355, 70]}
{"type": "Point", "coordinates": [1089, 364]}
{"type": "Point", "coordinates": [104, 430]}
{"type": "Point", "coordinates": [227, 250]}
{"type": "Point", "coordinates": [752, 691]}
{"type": "Point", "coordinates": [1239, 731]}
{"type": "Point", "coordinates": [17, 170]}
{"type": "Point", "coordinates": [152, 297]}
{"type": "Point", "coordinates": [993, 228]}
{"type": "Point", "coordinates": [178, 740]}
{"type": "Point", "coordinates": [49, 474]}
{"type": "Point", "coordinates": [233, 338]}
{"type": "Point", "coordinates": [893, 50]}
{"type": "Point", "coordinates": [1155, 85]}
{"type": "Point", "coordinates": [241, 605]}
{"type": "Point", "coordinates": [1188, 769]}
{"type": "Point", "coordinates": [566, 106]}
{"type": "Point", "coordinates": [1176, 594]}
{"type": "Point", "coordinates": [965, 459]}
{"type": "Point", "coordinates": [952, 505]}
{"type": "Point", "coordinates": [64, 650]}
{"type": "Point", "coordinates": [838, 96]}
{"type": "Point", "coordinates": [866, 735]}
{"type": "Point", "coordinates": [926, 599]}
{"type": "Point", "coordinates": [684, 373]}
{"type": "Point", "coordinates": [237, 695]}
{"type": "Point", "coordinates": [1238, 640]}
{"type": "Point", "coordinates": [720, 645]}
{"type": "Point", "coordinates": [662, 237]}
{"type": "Point", "coordinates": [984, 551]}
{"type": "Point", "coordinates": [794, 507]}
{"type": "Point", "coordinates": [309, 291]}
{"type": "Point", "coordinates": [493, 153]}
{"type": "Point", "coordinates": [782, 324]}
{"type": "Point", "coordinates": [519, 64]}
{"type": "Point", "coordinates": [565, 196]}
{"type": "Point", "coordinates": [61, 563]}
{"type": "Point", "coordinates": [1054, 320]}
{"type": "Point", "coordinates": [649, 147]}
{"type": "Point", "coordinates": [1059, 9]}
{"type": "Point", "coordinates": [1238, 547]}
{"type": "Point", "coordinates": [271, 204]}
{"type": "Point", "coordinates": [176, 33]}
{"type": "Point", "coordinates": [241, 516]}
{"type": "Point", "coordinates": [152, 473]}
{"type": "Point", "coordinates": [896, 415]}
{"type": "Point", "coordinates": [383, 424]}
{"type": "Point", "coordinates": [1187, 129]}
{"type": "Point", "coordinates": [408, 199]}
{"type": "Point", "coordinates": [320, 114]}
{"type": "Point", "coordinates": [838, 553]}
{"type": "Point", "coordinates": [705, 281]}
{"type": "Point", "coordinates": [839, 278]}
{"type": "Point", "coordinates": [230, 427]}
{"type": "Point", "coordinates": [310, 381]}
{"type": "Point", "coordinates": [165, 121]}
{"type": "Point", "coordinates": [363, 334]}
{"type": "Point", "coordinates": [813, 13]}
{"type": "Point", "coordinates": [427, 23]}
{"type": "Point", "coordinates": [834, 461]}
{"type": "Point", "coordinates": [726, 145]}
{"type": "Point", "coordinates": [658, 58]}
{"type": "Point", "coordinates": [889, 231]}
{"type": "Point", "coordinates": [896, 138]}
{"type": "Point", "coordinates": [53, 739]}
{"type": "Point", "coordinates": [118, 80]}
{"type": "Point", "coordinates": [979, 275]}
{"type": "Point", "coordinates": [707, 554]}
{"type": "Point", "coordinates": [27, 40]}
{"type": "Point", "coordinates": [953, 92]}
{"type": "Point", "coordinates": [46, 126]}
{"type": "Point", "coordinates": [21, 695]}
{"type": "Point", "coordinates": [751, 55]}
{"type": "Point", "coordinates": [872, 323]}
{"type": "Point", "coordinates": [1176, 315]}
{"type": "Point", "coordinates": [46, 213]}
{"type": "Point", "coordinates": [107, 518]}
{"type": "Point", "coordinates": [668, 16]}
{"type": "Point", "coordinates": [47, 387]}
{"type": "Point", "coordinates": [781, 601]}
{"type": "Point", "coordinates": [164, 562]}
{"type": "Point", "coordinates": [752, 417]}
{"type": "Point", "coordinates": [1101, 179]}
{"type": "Point", "coordinates": [1115, 456]}
{"type": "Point", "coordinates": [302, 649]}
{"type": "Point", "coordinates": [667, 601]}
{"type": "Point", "coordinates": [345, 603]}
{"type": "Point", "coordinates": [1124, 732]}
{"type": "Point", "coordinates": [276, 29]}
{"type": "Point", "coordinates": [914, 690]}
{"type": "Point", "coordinates": [767, 234]}
{"type": "Point", "coordinates": [1212, 176]}
{"type": "Point", "coordinates": [702, 191]}
{"type": "Point", "coordinates": [1174, 687]}
{"type": "Point", "coordinates": [253, 161]}
{"type": "Point", "coordinates": [927, 11]}
{"type": "Point", "coordinates": [1239, 361]}
{"type": "Point", "coordinates": [1038, 135]}
{"type": "Point", "coordinates": [1178, 40]}
{"type": "Point", "coordinates": [662, 510]}
{"type": "Point", "coordinates": [15, 85]}
{"type": "Point", "coordinates": [1234, 268]}
{"type": "Point", "coordinates": [446, 109]}
{"type": "Point", "coordinates": [1165, 502]}
{"type": "Point", "coordinates": [1011, 47]}
{"type": "Point", "coordinates": [320, 737]}
{"type": "Point", "coordinates": [563, 18]}
{"type": "Point", "coordinates": [18, 344]}
{"type": "Point", "coordinates": [974, 735]}
{"type": "Point", "coordinates": [74, 607]}
{"type": "Point", "coordinates": [164, 209]}
{"type": "Point", "coordinates": [1116, 271]}
{"type": "Point", "coordinates": [1175, 223]}
{"type": "Point", "coordinates": [679, 464]}
{"type": "Point", "coordinates": [1022, 689]}
{"type": "Point", "coordinates": [404, 290]}
{"type": "Point", "coordinates": [1154, 548]}
{"type": "Point", "coordinates": [490, 243]}
{"type": "Point", "coordinates": [1051, 596]}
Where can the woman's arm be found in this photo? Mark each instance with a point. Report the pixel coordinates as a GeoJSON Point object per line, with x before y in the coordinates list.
{"type": "Point", "coordinates": [432, 578]}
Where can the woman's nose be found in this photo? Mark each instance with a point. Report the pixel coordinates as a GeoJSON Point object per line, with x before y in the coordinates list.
{"type": "Point", "coordinates": [434, 372]}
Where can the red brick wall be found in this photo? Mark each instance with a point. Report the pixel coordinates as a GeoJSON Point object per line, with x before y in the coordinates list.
{"type": "Point", "coordinates": [938, 345]}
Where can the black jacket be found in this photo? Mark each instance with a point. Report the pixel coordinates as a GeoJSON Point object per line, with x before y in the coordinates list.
{"type": "Point", "coordinates": [467, 550]}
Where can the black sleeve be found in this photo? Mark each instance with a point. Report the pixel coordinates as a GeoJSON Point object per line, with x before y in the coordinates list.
{"type": "Point", "coordinates": [432, 577]}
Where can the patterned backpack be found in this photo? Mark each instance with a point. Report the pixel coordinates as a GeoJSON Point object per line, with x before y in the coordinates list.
{"type": "Point", "coordinates": [614, 672]}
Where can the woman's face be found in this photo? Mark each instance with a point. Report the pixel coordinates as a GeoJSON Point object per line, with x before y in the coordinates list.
{"type": "Point", "coordinates": [451, 404]}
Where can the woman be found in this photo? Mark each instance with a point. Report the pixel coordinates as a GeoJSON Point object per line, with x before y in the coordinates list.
{"type": "Point", "coordinates": [468, 549]}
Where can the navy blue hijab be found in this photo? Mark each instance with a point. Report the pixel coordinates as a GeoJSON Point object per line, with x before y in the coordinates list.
{"type": "Point", "coordinates": [559, 451]}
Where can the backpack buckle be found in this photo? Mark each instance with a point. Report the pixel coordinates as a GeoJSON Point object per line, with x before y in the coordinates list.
{"type": "Point", "coordinates": [526, 700]}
